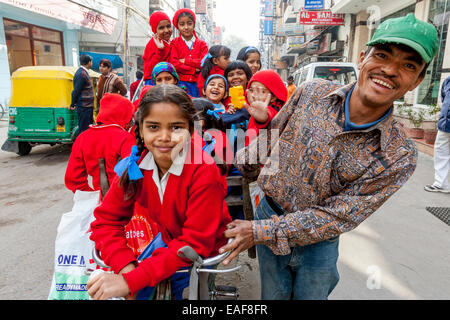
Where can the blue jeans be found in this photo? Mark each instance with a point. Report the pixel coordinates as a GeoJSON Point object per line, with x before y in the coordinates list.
{"type": "Point", "coordinates": [307, 273]}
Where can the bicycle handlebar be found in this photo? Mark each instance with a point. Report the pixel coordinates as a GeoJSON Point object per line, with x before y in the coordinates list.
{"type": "Point", "coordinates": [205, 263]}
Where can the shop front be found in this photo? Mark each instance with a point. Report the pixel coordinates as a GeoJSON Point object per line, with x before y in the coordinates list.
{"type": "Point", "coordinates": [39, 33]}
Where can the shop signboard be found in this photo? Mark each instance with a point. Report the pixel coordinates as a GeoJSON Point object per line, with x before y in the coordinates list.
{"type": "Point", "coordinates": [200, 6]}
{"type": "Point", "coordinates": [321, 18]}
{"type": "Point", "coordinates": [269, 8]}
{"type": "Point", "coordinates": [68, 12]}
{"type": "Point", "coordinates": [314, 4]}
{"type": "Point", "coordinates": [268, 26]}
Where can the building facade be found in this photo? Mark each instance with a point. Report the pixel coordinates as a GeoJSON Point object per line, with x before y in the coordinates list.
{"type": "Point", "coordinates": [38, 33]}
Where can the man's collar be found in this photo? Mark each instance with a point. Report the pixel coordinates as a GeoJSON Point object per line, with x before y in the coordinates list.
{"type": "Point", "coordinates": [339, 95]}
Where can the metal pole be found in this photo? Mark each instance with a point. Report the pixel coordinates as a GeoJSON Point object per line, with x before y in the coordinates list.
{"type": "Point", "coordinates": [125, 45]}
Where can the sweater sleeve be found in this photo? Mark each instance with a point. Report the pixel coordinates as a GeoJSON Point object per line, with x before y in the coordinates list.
{"type": "Point", "coordinates": [152, 56]}
{"type": "Point", "coordinates": [199, 231]}
{"type": "Point", "coordinates": [174, 59]}
{"type": "Point", "coordinates": [108, 228]}
{"type": "Point", "coordinates": [76, 177]}
{"type": "Point", "coordinates": [120, 86]}
{"type": "Point", "coordinates": [195, 62]}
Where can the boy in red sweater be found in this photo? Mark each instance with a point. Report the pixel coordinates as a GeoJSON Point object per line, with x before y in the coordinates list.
{"type": "Point", "coordinates": [187, 51]}
{"type": "Point", "coordinates": [183, 195]}
{"type": "Point", "coordinates": [158, 48]}
{"type": "Point", "coordinates": [109, 139]}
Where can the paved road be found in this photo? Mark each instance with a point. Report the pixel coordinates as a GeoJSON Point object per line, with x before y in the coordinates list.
{"type": "Point", "coordinates": [401, 252]}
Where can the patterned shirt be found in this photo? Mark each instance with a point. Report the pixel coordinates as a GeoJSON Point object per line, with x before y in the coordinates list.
{"type": "Point", "coordinates": [326, 179]}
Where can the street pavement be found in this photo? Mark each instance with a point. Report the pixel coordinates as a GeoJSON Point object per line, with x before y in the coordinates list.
{"type": "Point", "coordinates": [401, 252]}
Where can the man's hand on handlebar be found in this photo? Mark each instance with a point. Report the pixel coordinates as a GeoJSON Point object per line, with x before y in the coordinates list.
{"type": "Point", "coordinates": [242, 232]}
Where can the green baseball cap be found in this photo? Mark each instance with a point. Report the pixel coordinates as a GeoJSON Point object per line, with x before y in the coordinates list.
{"type": "Point", "coordinates": [416, 34]}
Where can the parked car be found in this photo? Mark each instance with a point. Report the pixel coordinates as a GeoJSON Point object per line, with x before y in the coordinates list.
{"type": "Point", "coordinates": [339, 72]}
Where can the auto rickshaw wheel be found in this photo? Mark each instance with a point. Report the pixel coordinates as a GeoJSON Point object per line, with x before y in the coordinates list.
{"type": "Point", "coordinates": [24, 148]}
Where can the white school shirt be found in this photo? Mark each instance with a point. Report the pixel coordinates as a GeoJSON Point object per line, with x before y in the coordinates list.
{"type": "Point", "coordinates": [148, 163]}
{"type": "Point", "coordinates": [189, 43]}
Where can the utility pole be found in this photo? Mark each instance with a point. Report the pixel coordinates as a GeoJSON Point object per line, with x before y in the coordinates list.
{"type": "Point", "coordinates": [126, 45]}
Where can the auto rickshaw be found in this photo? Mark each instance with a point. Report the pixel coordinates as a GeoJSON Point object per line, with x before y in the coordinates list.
{"type": "Point", "coordinates": [39, 108]}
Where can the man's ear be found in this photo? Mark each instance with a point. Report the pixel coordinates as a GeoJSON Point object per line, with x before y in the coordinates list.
{"type": "Point", "coordinates": [362, 56]}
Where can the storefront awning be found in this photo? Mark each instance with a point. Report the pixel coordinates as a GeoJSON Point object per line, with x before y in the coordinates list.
{"type": "Point", "coordinates": [116, 61]}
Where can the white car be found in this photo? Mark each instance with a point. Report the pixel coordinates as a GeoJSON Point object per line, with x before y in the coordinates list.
{"type": "Point", "coordinates": [339, 72]}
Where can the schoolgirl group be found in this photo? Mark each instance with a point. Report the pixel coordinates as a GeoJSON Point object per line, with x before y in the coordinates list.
{"type": "Point", "coordinates": [181, 197]}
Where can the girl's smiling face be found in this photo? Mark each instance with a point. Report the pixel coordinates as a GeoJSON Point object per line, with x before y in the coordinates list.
{"type": "Point", "coordinates": [165, 131]}
{"type": "Point", "coordinates": [186, 27]}
{"type": "Point", "coordinates": [215, 90]}
{"type": "Point", "coordinates": [253, 62]}
{"type": "Point", "coordinates": [164, 30]}
{"type": "Point", "coordinates": [237, 77]}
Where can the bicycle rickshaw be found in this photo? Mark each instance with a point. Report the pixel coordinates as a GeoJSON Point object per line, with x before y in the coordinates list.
{"type": "Point", "coordinates": [39, 108]}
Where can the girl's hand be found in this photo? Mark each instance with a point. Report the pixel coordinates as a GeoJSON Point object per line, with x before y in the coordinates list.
{"type": "Point", "coordinates": [258, 107]}
{"type": "Point", "coordinates": [158, 42]}
{"type": "Point", "coordinates": [107, 285]}
{"type": "Point", "coordinates": [231, 109]}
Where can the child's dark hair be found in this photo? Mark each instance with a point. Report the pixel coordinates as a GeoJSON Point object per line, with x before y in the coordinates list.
{"type": "Point", "coordinates": [160, 93]}
{"type": "Point", "coordinates": [185, 14]}
{"type": "Point", "coordinates": [245, 52]}
{"type": "Point", "coordinates": [202, 105]}
{"type": "Point", "coordinates": [215, 52]}
{"type": "Point", "coordinates": [238, 64]}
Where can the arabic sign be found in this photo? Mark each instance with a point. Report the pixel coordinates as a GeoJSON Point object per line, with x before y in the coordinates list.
{"type": "Point", "coordinates": [322, 18]}
{"type": "Point", "coordinates": [68, 12]}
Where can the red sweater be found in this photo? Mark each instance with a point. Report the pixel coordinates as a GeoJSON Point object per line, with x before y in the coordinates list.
{"type": "Point", "coordinates": [201, 81]}
{"type": "Point", "coordinates": [193, 58]}
{"type": "Point", "coordinates": [110, 142]}
{"type": "Point", "coordinates": [153, 55]}
{"type": "Point", "coordinates": [193, 213]}
{"type": "Point", "coordinates": [253, 126]}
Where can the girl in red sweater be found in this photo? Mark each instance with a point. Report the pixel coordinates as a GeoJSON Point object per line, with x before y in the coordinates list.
{"type": "Point", "coordinates": [187, 51]}
{"type": "Point", "coordinates": [158, 48]}
{"type": "Point", "coordinates": [266, 95]}
{"type": "Point", "coordinates": [182, 192]}
{"type": "Point", "coordinates": [215, 62]}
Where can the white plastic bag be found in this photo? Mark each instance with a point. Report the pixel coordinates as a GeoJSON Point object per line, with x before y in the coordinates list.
{"type": "Point", "coordinates": [256, 195]}
{"type": "Point", "coordinates": [73, 249]}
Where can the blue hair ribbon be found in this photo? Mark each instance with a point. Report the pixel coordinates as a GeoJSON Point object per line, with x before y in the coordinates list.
{"type": "Point", "coordinates": [209, 145]}
{"type": "Point", "coordinates": [250, 48]}
{"type": "Point", "coordinates": [207, 56]}
{"type": "Point", "coordinates": [130, 163]}
{"type": "Point", "coordinates": [215, 113]}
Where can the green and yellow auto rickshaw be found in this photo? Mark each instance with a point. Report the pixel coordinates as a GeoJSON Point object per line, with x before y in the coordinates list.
{"type": "Point", "coordinates": [39, 108]}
